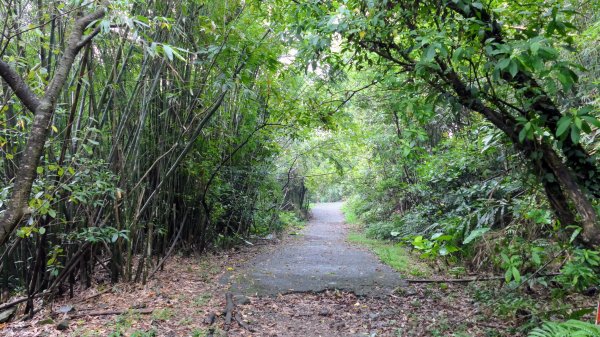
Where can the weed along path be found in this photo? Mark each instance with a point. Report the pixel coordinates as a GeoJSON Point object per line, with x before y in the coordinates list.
{"type": "Point", "coordinates": [319, 284]}
{"type": "Point", "coordinates": [312, 284]}
{"type": "Point", "coordinates": [319, 259]}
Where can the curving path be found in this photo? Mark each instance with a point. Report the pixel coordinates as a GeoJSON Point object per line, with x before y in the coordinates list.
{"type": "Point", "coordinates": [319, 259]}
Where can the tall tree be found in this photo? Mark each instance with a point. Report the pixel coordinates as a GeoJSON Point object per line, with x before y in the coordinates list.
{"type": "Point", "coordinates": [42, 107]}
{"type": "Point", "coordinates": [500, 59]}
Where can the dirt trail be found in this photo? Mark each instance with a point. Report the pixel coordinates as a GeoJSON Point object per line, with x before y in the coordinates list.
{"type": "Point", "coordinates": [319, 259]}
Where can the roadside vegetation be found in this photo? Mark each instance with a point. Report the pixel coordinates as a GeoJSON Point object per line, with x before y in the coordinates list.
{"type": "Point", "coordinates": [463, 136]}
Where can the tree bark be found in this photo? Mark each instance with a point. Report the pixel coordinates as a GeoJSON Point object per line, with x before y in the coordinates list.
{"type": "Point", "coordinates": [549, 163]}
{"type": "Point", "coordinates": [584, 165]}
{"type": "Point", "coordinates": [43, 110]}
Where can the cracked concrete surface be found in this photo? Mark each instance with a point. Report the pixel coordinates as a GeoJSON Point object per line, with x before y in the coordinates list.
{"type": "Point", "coordinates": [319, 259]}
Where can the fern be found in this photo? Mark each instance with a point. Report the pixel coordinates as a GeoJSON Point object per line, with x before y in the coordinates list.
{"type": "Point", "coordinates": [570, 328]}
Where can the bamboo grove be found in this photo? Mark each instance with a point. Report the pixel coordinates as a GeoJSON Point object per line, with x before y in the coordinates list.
{"type": "Point", "coordinates": [157, 137]}
{"type": "Point", "coordinates": [136, 129]}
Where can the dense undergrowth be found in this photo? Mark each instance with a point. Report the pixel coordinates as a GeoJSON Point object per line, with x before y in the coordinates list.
{"type": "Point", "coordinates": [447, 145]}
{"type": "Point", "coordinates": [470, 209]}
{"type": "Point", "coordinates": [467, 132]}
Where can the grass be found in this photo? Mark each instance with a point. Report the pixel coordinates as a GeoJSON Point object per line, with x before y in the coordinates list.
{"type": "Point", "coordinates": [389, 253]}
{"type": "Point", "coordinates": [393, 255]}
{"type": "Point", "coordinates": [162, 314]}
{"type": "Point", "coordinates": [350, 215]}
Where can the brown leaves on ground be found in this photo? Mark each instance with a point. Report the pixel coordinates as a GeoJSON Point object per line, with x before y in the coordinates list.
{"type": "Point", "coordinates": [188, 292]}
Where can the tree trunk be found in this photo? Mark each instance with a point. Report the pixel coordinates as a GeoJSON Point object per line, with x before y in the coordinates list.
{"type": "Point", "coordinates": [43, 110]}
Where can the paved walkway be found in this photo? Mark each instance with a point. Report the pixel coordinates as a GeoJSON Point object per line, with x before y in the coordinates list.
{"type": "Point", "coordinates": [319, 259]}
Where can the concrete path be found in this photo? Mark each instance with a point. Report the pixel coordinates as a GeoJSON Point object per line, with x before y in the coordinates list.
{"type": "Point", "coordinates": [319, 259]}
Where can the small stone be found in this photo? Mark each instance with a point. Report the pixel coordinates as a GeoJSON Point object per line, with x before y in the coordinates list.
{"type": "Point", "coordinates": [241, 300]}
{"type": "Point", "coordinates": [63, 325]}
{"type": "Point", "coordinates": [324, 312]}
{"type": "Point", "coordinates": [45, 321]}
{"type": "Point", "coordinates": [139, 306]}
{"type": "Point", "coordinates": [407, 292]}
{"type": "Point", "coordinates": [7, 314]}
{"type": "Point", "coordinates": [63, 309]}
{"type": "Point", "coordinates": [339, 325]}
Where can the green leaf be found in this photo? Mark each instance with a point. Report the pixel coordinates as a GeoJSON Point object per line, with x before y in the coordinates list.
{"type": "Point", "coordinates": [522, 134]}
{"type": "Point", "coordinates": [578, 122]}
{"type": "Point", "coordinates": [443, 251]}
{"type": "Point", "coordinates": [575, 136]}
{"type": "Point", "coordinates": [42, 230]}
{"type": "Point", "coordinates": [516, 275]}
{"type": "Point", "coordinates": [513, 68]}
{"type": "Point", "coordinates": [475, 234]}
{"type": "Point", "coordinates": [52, 213]}
{"type": "Point", "coordinates": [168, 51]}
{"type": "Point", "coordinates": [503, 64]}
{"type": "Point", "coordinates": [575, 234]}
{"type": "Point", "coordinates": [563, 125]}
{"type": "Point", "coordinates": [592, 120]}
{"type": "Point", "coordinates": [457, 54]}
{"type": "Point", "coordinates": [535, 257]}
{"type": "Point", "coordinates": [39, 170]}
{"type": "Point", "coordinates": [429, 54]}
{"type": "Point", "coordinates": [534, 47]}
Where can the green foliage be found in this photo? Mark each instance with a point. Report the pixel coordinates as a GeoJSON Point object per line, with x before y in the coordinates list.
{"type": "Point", "coordinates": [511, 264]}
{"type": "Point", "coordinates": [437, 246]}
{"type": "Point", "coordinates": [570, 328]}
{"type": "Point", "coordinates": [393, 255]}
{"type": "Point", "coordinates": [288, 219]}
{"type": "Point", "coordinates": [582, 270]}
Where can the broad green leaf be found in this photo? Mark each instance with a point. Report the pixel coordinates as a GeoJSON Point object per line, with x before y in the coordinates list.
{"type": "Point", "coordinates": [575, 135]}
{"type": "Point", "coordinates": [534, 47]}
{"type": "Point", "coordinates": [168, 52]}
{"type": "Point", "coordinates": [429, 54]}
{"type": "Point", "coordinates": [513, 68]}
{"type": "Point", "coordinates": [503, 64]}
{"type": "Point", "coordinates": [516, 274]}
{"type": "Point", "coordinates": [475, 234]}
{"type": "Point", "coordinates": [563, 125]}
{"type": "Point", "coordinates": [592, 120]}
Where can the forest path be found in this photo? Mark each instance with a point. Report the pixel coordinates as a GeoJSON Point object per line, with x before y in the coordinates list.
{"type": "Point", "coordinates": [317, 260]}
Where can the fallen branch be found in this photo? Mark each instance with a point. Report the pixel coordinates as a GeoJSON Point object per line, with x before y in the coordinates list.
{"type": "Point", "coordinates": [228, 310]}
{"type": "Point", "coordinates": [238, 318]}
{"type": "Point", "coordinates": [112, 312]}
{"type": "Point", "coordinates": [21, 300]}
{"type": "Point", "coordinates": [466, 280]}
{"type": "Point", "coordinates": [94, 296]}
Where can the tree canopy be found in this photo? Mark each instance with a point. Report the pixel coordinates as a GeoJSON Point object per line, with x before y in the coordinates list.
{"type": "Point", "coordinates": [134, 129]}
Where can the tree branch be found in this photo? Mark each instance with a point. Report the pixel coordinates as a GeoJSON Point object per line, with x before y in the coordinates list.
{"type": "Point", "coordinates": [19, 87]}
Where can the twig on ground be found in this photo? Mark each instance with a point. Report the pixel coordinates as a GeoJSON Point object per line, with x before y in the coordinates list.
{"type": "Point", "coordinates": [93, 296]}
{"type": "Point", "coordinates": [238, 318]}
{"type": "Point", "coordinates": [112, 312]}
{"type": "Point", "coordinates": [228, 310]}
{"type": "Point", "coordinates": [466, 280]}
